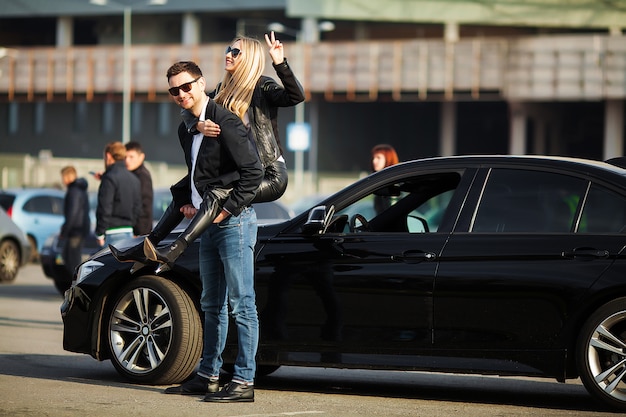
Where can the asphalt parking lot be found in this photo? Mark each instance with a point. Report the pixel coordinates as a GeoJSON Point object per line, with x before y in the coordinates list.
{"type": "Point", "coordinates": [38, 378]}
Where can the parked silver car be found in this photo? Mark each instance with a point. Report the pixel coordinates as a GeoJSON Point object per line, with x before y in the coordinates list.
{"type": "Point", "coordinates": [14, 248]}
{"type": "Point", "coordinates": [37, 211]}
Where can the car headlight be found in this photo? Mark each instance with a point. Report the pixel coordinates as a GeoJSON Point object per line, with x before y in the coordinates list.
{"type": "Point", "coordinates": [85, 269]}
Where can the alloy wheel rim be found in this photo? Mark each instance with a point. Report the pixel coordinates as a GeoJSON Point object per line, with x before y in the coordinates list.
{"type": "Point", "coordinates": [606, 355]}
{"type": "Point", "coordinates": [141, 330]}
{"type": "Point", "coordinates": [8, 261]}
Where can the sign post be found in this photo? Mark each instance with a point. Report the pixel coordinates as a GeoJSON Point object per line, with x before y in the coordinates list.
{"type": "Point", "coordinates": [298, 141]}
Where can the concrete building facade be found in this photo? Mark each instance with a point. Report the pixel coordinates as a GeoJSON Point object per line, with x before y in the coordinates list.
{"type": "Point", "coordinates": [429, 77]}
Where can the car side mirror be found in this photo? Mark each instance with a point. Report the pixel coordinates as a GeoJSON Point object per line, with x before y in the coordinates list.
{"type": "Point", "coordinates": [318, 220]}
{"type": "Point", "coordinates": [315, 222]}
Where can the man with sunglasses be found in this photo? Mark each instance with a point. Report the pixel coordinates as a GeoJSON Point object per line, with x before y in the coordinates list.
{"type": "Point", "coordinates": [222, 178]}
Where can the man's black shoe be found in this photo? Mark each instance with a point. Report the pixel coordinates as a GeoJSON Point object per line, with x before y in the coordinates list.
{"type": "Point", "coordinates": [195, 386]}
{"type": "Point", "coordinates": [232, 393]}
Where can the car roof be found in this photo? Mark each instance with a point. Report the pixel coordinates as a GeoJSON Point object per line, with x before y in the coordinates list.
{"type": "Point", "coordinates": [562, 162]}
{"type": "Point", "coordinates": [33, 191]}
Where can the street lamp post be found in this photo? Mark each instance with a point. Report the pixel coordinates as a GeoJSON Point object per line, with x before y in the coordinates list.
{"type": "Point", "coordinates": [126, 76]}
{"type": "Point", "coordinates": [126, 6]}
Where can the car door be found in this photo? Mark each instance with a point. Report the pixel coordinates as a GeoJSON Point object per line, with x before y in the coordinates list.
{"type": "Point", "coordinates": [44, 215]}
{"type": "Point", "coordinates": [534, 244]}
{"type": "Point", "coordinates": [365, 283]}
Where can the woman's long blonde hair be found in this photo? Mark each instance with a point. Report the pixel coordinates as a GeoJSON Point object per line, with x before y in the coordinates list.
{"type": "Point", "coordinates": [235, 90]}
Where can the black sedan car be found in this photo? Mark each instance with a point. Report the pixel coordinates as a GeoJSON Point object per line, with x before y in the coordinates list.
{"type": "Point", "coordinates": [504, 265]}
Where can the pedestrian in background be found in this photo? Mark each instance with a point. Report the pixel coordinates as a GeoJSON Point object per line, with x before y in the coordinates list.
{"type": "Point", "coordinates": [119, 197]}
{"type": "Point", "coordinates": [135, 163]}
{"type": "Point", "coordinates": [383, 156]}
{"type": "Point", "coordinates": [76, 211]}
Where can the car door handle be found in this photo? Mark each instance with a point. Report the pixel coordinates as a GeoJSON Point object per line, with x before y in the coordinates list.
{"type": "Point", "coordinates": [586, 253]}
{"type": "Point", "coordinates": [414, 257]}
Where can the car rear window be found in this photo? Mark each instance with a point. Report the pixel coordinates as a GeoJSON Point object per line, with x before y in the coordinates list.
{"type": "Point", "coordinates": [526, 201]}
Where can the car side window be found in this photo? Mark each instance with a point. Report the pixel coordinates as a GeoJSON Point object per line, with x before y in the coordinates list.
{"type": "Point", "coordinates": [604, 212]}
{"type": "Point", "coordinates": [416, 205]}
{"type": "Point", "coordinates": [40, 204]}
{"type": "Point", "coordinates": [526, 201]}
{"type": "Point", "coordinates": [57, 205]}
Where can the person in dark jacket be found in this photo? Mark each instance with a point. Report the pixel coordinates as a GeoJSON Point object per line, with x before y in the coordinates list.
{"type": "Point", "coordinates": [77, 223]}
{"type": "Point", "coordinates": [119, 197]}
{"type": "Point", "coordinates": [223, 176]}
{"type": "Point", "coordinates": [134, 162]}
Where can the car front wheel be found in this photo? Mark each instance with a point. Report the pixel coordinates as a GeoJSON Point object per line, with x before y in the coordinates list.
{"type": "Point", "coordinates": [601, 354]}
{"type": "Point", "coordinates": [154, 332]}
{"type": "Point", "coordinates": [9, 261]}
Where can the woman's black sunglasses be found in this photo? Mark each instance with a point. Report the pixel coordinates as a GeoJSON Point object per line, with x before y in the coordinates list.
{"type": "Point", "coordinates": [185, 87]}
{"type": "Point", "coordinates": [234, 51]}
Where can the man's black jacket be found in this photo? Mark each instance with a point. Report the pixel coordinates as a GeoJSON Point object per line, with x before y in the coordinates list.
{"type": "Point", "coordinates": [228, 161]}
{"type": "Point", "coordinates": [119, 199]}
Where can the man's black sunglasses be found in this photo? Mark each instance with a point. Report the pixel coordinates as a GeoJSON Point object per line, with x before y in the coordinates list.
{"type": "Point", "coordinates": [185, 87]}
{"type": "Point", "coordinates": [234, 51]}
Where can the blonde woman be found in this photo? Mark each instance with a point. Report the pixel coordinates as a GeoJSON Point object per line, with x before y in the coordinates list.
{"type": "Point", "coordinates": [255, 98]}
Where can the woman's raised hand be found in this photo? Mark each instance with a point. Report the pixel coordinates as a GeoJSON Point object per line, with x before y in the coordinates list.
{"type": "Point", "coordinates": [277, 52]}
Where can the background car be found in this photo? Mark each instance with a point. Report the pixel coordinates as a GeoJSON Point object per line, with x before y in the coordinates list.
{"type": "Point", "coordinates": [37, 211]}
{"type": "Point", "coordinates": [498, 265]}
{"type": "Point", "coordinates": [51, 256]}
{"type": "Point", "coordinates": [14, 248]}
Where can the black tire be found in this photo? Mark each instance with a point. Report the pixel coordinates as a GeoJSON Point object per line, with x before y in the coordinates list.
{"type": "Point", "coordinates": [9, 260]}
{"type": "Point", "coordinates": [154, 332]}
{"type": "Point", "coordinates": [601, 354]}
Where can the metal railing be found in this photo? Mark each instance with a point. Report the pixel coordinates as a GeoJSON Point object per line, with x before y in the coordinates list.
{"type": "Point", "coordinates": [577, 67]}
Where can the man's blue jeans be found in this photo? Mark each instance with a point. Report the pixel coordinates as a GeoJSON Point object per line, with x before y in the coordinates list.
{"type": "Point", "coordinates": [227, 268]}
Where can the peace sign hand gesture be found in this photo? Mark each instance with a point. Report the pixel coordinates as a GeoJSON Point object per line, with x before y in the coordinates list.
{"type": "Point", "coordinates": [277, 52]}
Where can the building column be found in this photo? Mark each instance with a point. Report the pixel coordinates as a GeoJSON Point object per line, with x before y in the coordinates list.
{"type": "Point", "coordinates": [539, 136]}
{"type": "Point", "coordinates": [191, 29]}
{"type": "Point", "coordinates": [613, 129]}
{"type": "Point", "coordinates": [65, 31]}
{"type": "Point", "coordinates": [447, 129]}
{"type": "Point", "coordinates": [517, 139]}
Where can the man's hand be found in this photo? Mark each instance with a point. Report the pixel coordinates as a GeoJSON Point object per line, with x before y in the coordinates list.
{"type": "Point", "coordinates": [188, 211]}
{"type": "Point", "coordinates": [222, 216]}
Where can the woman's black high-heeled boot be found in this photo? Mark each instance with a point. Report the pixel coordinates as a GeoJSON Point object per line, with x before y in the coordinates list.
{"type": "Point", "coordinates": [168, 221]}
{"type": "Point", "coordinates": [208, 211]}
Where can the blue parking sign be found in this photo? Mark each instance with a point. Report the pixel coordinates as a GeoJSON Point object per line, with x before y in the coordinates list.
{"type": "Point", "coordinates": [298, 136]}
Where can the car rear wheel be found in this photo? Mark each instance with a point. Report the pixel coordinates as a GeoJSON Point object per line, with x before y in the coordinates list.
{"type": "Point", "coordinates": [601, 354]}
{"type": "Point", "coordinates": [34, 253]}
{"type": "Point", "coordinates": [154, 332]}
{"type": "Point", "coordinates": [9, 261]}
